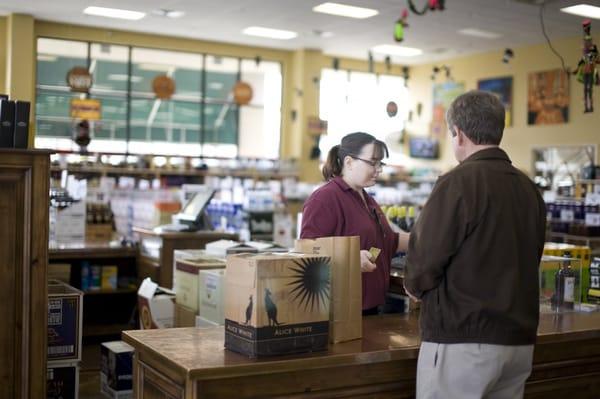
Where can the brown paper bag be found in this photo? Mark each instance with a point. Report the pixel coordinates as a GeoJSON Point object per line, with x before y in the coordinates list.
{"type": "Point", "coordinates": [345, 314]}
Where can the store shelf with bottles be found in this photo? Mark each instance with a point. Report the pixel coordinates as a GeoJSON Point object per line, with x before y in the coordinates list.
{"type": "Point", "coordinates": [157, 166]}
{"type": "Point", "coordinates": [107, 274]}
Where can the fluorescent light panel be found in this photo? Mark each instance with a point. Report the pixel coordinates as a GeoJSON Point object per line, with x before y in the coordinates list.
{"type": "Point", "coordinates": [484, 34]}
{"type": "Point", "coordinates": [269, 33]}
{"type": "Point", "coordinates": [114, 13]}
{"type": "Point", "coordinates": [583, 10]}
{"type": "Point", "coordinates": [401, 51]}
{"type": "Point", "coordinates": [344, 10]}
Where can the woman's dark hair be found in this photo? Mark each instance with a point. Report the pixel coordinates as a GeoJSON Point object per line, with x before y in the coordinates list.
{"type": "Point", "coordinates": [352, 145]}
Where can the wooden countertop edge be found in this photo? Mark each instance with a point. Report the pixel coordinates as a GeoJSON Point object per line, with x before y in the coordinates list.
{"type": "Point", "coordinates": [316, 361]}
{"type": "Point", "coordinates": [91, 251]}
{"type": "Point", "coordinates": [165, 361]}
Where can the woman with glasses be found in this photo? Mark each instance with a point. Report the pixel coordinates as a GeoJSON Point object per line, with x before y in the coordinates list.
{"type": "Point", "coordinates": [341, 207]}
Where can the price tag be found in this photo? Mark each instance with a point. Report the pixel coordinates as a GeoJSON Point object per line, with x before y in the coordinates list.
{"type": "Point", "coordinates": [592, 198]}
{"type": "Point", "coordinates": [592, 219]}
{"type": "Point", "coordinates": [567, 215]}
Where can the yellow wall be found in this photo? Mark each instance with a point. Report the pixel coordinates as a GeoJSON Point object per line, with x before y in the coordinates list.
{"type": "Point", "coordinates": [519, 139]}
{"type": "Point", "coordinates": [3, 55]}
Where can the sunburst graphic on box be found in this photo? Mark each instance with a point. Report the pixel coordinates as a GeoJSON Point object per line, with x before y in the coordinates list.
{"type": "Point", "coordinates": [311, 282]}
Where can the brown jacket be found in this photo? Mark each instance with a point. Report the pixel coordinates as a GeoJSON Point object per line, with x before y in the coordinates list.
{"type": "Point", "coordinates": [474, 254]}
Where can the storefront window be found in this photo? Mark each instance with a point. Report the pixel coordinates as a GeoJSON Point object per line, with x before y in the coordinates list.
{"type": "Point", "coordinates": [201, 118]}
{"type": "Point", "coordinates": [356, 101]}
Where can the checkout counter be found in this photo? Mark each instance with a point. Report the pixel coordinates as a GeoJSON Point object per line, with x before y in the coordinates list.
{"type": "Point", "coordinates": [192, 363]}
{"type": "Point", "coordinates": [191, 230]}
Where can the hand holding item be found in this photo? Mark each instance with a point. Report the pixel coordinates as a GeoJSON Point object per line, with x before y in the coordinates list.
{"type": "Point", "coordinates": [367, 263]}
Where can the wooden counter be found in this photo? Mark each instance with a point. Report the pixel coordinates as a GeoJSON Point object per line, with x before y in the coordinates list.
{"type": "Point", "coordinates": [90, 250]}
{"type": "Point", "coordinates": [159, 267]}
{"type": "Point", "coordinates": [192, 363]}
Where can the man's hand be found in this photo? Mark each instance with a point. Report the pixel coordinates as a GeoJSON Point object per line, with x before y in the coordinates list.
{"type": "Point", "coordinates": [366, 261]}
{"type": "Point", "coordinates": [411, 296]}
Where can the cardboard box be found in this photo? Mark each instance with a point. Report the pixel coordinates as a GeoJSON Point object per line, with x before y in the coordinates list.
{"type": "Point", "coordinates": [98, 232]}
{"type": "Point", "coordinates": [65, 315]}
{"type": "Point", "coordinates": [156, 305]}
{"type": "Point", "coordinates": [62, 380]}
{"type": "Point", "coordinates": [346, 283]}
{"type": "Point", "coordinates": [184, 316]}
{"type": "Point", "coordinates": [112, 393]}
{"type": "Point", "coordinates": [222, 248]}
{"type": "Point", "coordinates": [211, 296]}
{"type": "Point", "coordinates": [276, 304]}
{"type": "Point", "coordinates": [203, 323]}
{"type": "Point", "coordinates": [187, 278]}
{"type": "Point", "coordinates": [117, 365]}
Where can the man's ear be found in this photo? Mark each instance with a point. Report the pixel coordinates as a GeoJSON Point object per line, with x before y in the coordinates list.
{"type": "Point", "coordinates": [460, 135]}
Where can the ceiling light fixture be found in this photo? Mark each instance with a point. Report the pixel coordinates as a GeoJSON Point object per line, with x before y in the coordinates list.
{"type": "Point", "coordinates": [400, 51]}
{"type": "Point", "coordinates": [163, 12]}
{"type": "Point", "coordinates": [484, 34]}
{"type": "Point", "coordinates": [583, 10]}
{"type": "Point", "coordinates": [344, 10]}
{"type": "Point", "coordinates": [114, 13]}
{"type": "Point", "coordinates": [269, 33]}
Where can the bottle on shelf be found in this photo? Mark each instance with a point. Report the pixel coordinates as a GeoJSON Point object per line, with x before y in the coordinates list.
{"type": "Point", "coordinates": [410, 218]}
{"type": "Point", "coordinates": [564, 295]}
{"type": "Point", "coordinates": [401, 218]}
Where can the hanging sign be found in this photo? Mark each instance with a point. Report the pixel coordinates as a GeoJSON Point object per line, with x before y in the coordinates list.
{"type": "Point", "coordinates": [391, 109]}
{"type": "Point", "coordinates": [242, 93]}
{"type": "Point", "coordinates": [79, 79]}
{"type": "Point", "coordinates": [86, 108]}
{"type": "Point", "coordinates": [316, 126]}
{"type": "Point", "coordinates": [163, 86]}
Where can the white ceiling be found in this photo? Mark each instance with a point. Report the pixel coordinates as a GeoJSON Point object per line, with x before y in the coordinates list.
{"type": "Point", "coordinates": [435, 33]}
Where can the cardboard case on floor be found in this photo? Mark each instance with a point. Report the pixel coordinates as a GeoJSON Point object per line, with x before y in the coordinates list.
{"type": "Point", "coordinates": [276, 304]}
{"type": "Point", "coordinates": [346, 283]}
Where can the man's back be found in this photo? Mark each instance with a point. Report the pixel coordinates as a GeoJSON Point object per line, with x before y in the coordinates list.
{"type": "Point", "coordinates": [480, 284]}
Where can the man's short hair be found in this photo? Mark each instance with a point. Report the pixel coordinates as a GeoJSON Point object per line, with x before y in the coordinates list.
{"type": "Point", "coordinates": [479, 114]}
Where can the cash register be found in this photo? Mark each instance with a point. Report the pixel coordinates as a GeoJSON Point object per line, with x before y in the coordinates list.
{"type": "Point", "coordinates": [193, 215]}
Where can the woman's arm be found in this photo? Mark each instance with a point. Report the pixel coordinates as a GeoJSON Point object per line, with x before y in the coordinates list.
{"type": "Point", "coordinates": [403, 238]}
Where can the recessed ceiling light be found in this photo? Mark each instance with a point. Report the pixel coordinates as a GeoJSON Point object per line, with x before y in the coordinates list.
{"type": "Point", "coordinates": [114, 13]}
{"type": "Point", "coordinates": [322, 33]}
{"type": "Point", "coordinates": [401, 51]}
{"type": "Point", "coordinates": [163, 12]}
{"type": "Point", "coordinates": [583, 10]}
{"type": "Point", "coordinates": [344, 10]}
{"type": "Point", "coordinates": [479, 33]}
{"type": "Point", "coordinates": [269, 33]}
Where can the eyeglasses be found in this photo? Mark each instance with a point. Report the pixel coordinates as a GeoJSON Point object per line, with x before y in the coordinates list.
{"type": "Point", "coordinates": [375, 164]}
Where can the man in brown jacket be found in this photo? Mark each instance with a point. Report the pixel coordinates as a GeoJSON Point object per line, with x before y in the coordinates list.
{"type": "Point", "coordinates": [473, 260]}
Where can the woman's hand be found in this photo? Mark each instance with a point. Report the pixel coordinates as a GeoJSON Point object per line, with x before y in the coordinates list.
{"type": "Point", "coordinates": [366, 263]}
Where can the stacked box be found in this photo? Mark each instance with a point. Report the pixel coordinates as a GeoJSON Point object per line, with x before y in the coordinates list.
{"type": "Point", "coordinates": [116, 375]}
{"type": "Point", "coordinates": [65, 314]}
{"type": "Point", "coordinates": [277, 304]}
{"type": "Point", "coordinates": [62, 380]}
{"type": "Point", "coordinates": [156, 305]}
{"type": "Point", "coordinates": [187, 278]}
{"type": "Point", "coordinates": [184, 316]}
{"type": "Point", "coordinates": [581, 252]}
{"type": "Point", "coordinates": [211, 297]}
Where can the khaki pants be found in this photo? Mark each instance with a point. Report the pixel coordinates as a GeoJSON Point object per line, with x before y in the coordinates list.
{"type": "Point", "coordinates": [472, 371]}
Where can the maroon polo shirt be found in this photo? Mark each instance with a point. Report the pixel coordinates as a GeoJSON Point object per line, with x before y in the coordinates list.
{"type": "Point", "coordinates": [335, 209]}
